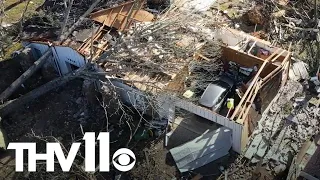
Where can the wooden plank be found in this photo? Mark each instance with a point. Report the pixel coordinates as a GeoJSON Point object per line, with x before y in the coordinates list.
{"type": "Point", "coordinates": [246, 103]}
{"type": "Point", "coordinates": [99, 48]}
{"type": "Point", "coordinates": [126, 18]}
{"type": "Point", "coordinates": [278, 69]}
{"type": "Point", "coordinates": [276, 58]}
{"type": "Point", "coordinates": [252, 47]}
{"type": "Point", "coordinates": [244, 135]}
{"type": "Point", "coordinates": [133, 17]}
{"type": "Point", "coordinates": [97, 34]}
{"type": "Point", "coordinates": [273, 74]}
{"type": "Point", "coordinates": [252, 84]}
{"type": "Point", "coordinates": [203, 57]}
{"type": "Point", "coordinates": [245, 60]}
{"type": "Point", "coordinates": [129, 17]}
{"type": "Point", "coordinates": [114, 20]}
{"type": "Point", "coordinates": [268, 77]}
{"type": "Point", "coordinates": [250, 103]}
{"type": "Point", "coordinates": [120, 15]}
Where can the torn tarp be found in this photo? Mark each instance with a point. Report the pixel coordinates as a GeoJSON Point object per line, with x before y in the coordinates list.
{"type": "Point", "coordinates": [202, 150]}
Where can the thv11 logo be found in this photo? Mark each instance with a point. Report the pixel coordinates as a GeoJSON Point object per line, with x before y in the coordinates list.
{"type": "Point", "coordinates": [123, 159]}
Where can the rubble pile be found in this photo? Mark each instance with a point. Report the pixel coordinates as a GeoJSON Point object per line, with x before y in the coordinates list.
{"type": "Point", "coordinates": [163, 47]}
{"type": "Point", "coordinates": [288, 21]}
{"type": "Point", "coordinates": [201, 73]}
{"type": "Point", "coordinates": [292, 118]}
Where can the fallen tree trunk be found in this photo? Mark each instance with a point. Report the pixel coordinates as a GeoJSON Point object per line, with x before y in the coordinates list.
{"type": "Point", "coordinates": [12, 105]}
{"type": "Point", "coordinates": [26, 75]}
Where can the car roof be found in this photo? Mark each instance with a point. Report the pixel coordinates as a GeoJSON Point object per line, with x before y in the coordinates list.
{"type": "Point", "coordinates": [211, 95]}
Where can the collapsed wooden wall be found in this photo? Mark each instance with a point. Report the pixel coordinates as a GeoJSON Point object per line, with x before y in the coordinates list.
{"type": "Point", "coordinates": [267, 94]}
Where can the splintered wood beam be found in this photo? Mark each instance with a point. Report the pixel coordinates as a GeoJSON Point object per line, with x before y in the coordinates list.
{"type": "Point", "coordinates": [247, 101]}
{"type": "Point", "coordinates": [250, 102]}
{"type": "Point", "coordinates": [26, 75]}
{"type": "Point", "coordinates": [252, 83]}
{"type": "Point", "coordinates": [133, 17]}
{"type": "Point", "coordinates": [275, 71]}
{"type": "Point", "coordinates": [96, 36]}
{"type": "Point", "coordinates": [278, 56]}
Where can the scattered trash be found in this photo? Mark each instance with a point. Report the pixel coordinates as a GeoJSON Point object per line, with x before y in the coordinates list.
{"type": "Point", "coordinates": [188, 94]}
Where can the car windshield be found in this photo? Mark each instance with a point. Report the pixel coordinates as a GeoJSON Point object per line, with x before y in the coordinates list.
{"type": "Point", "coordinates": [222, 84]}
{"type": "Point", "coordinates": [214, 93]}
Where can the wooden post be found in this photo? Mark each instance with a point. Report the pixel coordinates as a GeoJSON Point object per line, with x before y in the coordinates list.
{"type": "Point", "coordinates": [26, 75]}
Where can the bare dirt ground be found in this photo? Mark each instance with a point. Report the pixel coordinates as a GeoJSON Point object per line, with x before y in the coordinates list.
{"type": "Point", "coordinates": [51, 115]}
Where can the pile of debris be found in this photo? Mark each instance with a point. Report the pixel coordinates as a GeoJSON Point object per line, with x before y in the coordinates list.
{"type": "Point", "coordinates": [202, 72]}
{"type": "Point", "coordinates": [290, 120]}
{"type": "Point", "coordinates": [285, 21]}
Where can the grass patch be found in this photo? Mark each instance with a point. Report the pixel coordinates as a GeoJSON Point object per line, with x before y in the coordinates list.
{"type": "Point", "coordinates": [9, 50]}
{"type": "Point", "coordinates": [15, 9]}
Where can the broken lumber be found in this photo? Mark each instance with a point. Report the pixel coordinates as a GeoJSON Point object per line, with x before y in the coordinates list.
{"type": "Point", "coordinates": [122, 16]}
{"type": "Point", "coordinates": [250, 102]}
{"type": "Point", "coordinates": [255, 79]}
{"type": "Point", "coordinates": [277, 70]}
{"type": "Point", "coordinates": [12, 105]}
{"type": "Point", "coordinates": [66, 34]}
{"type": "Point", "coordinates": [26, 75]}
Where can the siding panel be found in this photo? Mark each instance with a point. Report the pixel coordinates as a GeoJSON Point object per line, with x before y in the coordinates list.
{"type": "Point", "coordinates": [207, 114]}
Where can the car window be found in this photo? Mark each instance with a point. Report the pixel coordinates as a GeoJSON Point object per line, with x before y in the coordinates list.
{"type": "Point", "coordinates": [221, 97]}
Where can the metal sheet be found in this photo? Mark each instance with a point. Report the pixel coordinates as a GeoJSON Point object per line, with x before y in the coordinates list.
{"type": "Point", "coordinates": [201, 111]}
{"type": "Point", "coordinates": [202, 150]}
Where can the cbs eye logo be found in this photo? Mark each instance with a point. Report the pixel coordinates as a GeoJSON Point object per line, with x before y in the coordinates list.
{"type": "Point", "coordinates": [124, 159]}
